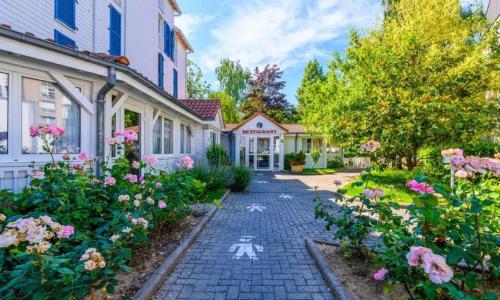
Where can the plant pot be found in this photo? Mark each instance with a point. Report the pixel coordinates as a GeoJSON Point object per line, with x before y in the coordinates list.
{"type": "Point", "coordinates": [297, 168]}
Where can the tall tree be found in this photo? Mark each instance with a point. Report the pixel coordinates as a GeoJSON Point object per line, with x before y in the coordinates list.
{"type": "Point", "coordinates": [233, 79]}
{"type": "Point", "coordinates": [264, 94]}
{"type": "Point", "coordinates": [229, 110]}
{"type": "Point", "coordinates": [427, 77]}
{"type": "Point", "coordinates": [196, 86]}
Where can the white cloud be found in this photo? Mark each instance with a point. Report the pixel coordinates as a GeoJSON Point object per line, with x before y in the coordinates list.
{"type": "Point", "coordinates": [285, 32]}
{"type": "Point", "coordinates": [189, 23]}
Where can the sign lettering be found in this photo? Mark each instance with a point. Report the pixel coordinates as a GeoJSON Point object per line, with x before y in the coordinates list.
{"type": "Point", "coordinates": [259, 131]}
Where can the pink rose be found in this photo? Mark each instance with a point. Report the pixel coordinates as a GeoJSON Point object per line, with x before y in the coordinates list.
{"type": "Point", "coordinates": [380, 274]}
{"type": "Point", "coordinates": [83, 156]}
{"type": "Point", "coordinates": [151, 160]}
{"type": "Point", "coordinates": [452, 152]}
{"type": "Point", "coordinates": [132, 178]}
{"type": "Point", "coordinates": [34, 130]}
{"type": "Point", "coordinates": [162, 204]}
{"type": "Point", "coordinates": [66, 232]}
{"type": "Point", "coordinates": [416, 255]}
{"type": "Point", "coordinates": [128, 134]}
{"type": "Point", "coordinates": [373, 193]}
{"type": "Point", "coordinates": [55, 130]}
{"type": "Point", "coordinates": [420, 187]}
{"type": "Point", "coordinates": [110, 181]}
{"type": "Point", "coordinates": [136, 165]}
{"type": "Point", "coordinates": [435, 265]}
{"type": "Point", "coordinates": [187, 162]}
{"type": "Point", "coordinates": [113, 141]}
{"type": "Point", "coordinates": [37, 175]}
{"type": "Point", "coordinates": [461, 174]}
{"type": "Point", "coordinates": [371, 146]}
{"type": "Point", "coordinates": [158, 185]}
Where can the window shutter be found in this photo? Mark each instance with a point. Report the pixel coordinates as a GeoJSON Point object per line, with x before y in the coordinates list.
{"type": "Point", "coordinates": [172, 44]}
{"type": "Point", "coordinates": [166, 38]}
{"type": "Point", "coordinates": [160, 70]}
{"type": "Point", "coordinates": [115, 31]}
{"type": "Point", "coordinates": [175, 90]}
{"type": "Point", "coordinates": [65, 11]}
{"type": "Point", "coordinates": [63, 40]}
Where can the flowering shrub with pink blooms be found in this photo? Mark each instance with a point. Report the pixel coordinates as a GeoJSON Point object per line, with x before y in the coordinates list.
{"type": "Point", "coordinates": [70, 231]}
{"type": "Point", "coordinates": [444, 245]}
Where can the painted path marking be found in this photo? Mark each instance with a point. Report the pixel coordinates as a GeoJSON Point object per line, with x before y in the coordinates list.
{"type": "Point", "coordinates": [246, 247]}
{"type": "Point", "coordinates": [285, 196]}
{"type": "Point", "coordinates": [256, 207]}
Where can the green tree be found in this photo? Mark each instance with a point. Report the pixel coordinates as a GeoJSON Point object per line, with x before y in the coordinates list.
{"type": "Point", "coordinates": [196, 86]}
{"type": "Point", "coordinates": [233, 79]}
{"type": "Point", "coordinates": [428, 77]}
{"type": "Point", "coordinates": [229, 109]}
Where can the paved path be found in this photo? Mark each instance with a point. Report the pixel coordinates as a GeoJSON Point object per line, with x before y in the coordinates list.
{"type": "Point", "coordinates": [259, 254]}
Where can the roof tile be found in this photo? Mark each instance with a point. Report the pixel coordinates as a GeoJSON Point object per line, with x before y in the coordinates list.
{"type": "Point", "coordinates": [206, 108]}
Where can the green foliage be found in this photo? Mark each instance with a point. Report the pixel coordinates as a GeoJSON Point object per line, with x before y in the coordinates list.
{"type": "Point", "coordinates": [196, 86]}
{"type": "Point", "coordinates": [215, 177]}
{"type": "Point", "coordinates": [461, 227]}
{"type": "Point", "coordinates": [242, 177]}
{"type": "Point", "coordinates": [287, 159]}
{"type": "Point", "coordinates": [233, 80]}
{"type": "Point", "coordinates": [403, 85]}
{"type": "Point", "coordinates": [335, 164]}
{"type": "Point", "coordinates": [217, 156]}
{"type": "Point", "coordinates": [315, 155]}
{"type": "Point", "coordinates": [230, 110]}
{"type": "Point", "coordinates": [298, 158]}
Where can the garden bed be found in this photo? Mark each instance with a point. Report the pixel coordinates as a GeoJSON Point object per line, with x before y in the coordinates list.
{"type": "Point", "coordinates": [321, 171]}
{"type": "Point", "coordinates": [147, 259]}
{"type": "Point", "coordinates": [356, 275]}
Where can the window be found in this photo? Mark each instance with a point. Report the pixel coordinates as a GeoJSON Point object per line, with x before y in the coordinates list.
{"type": "Point", "coordinates": [115, 31]}
{"type": "Point", "coordinates": [45, 102]}
{"type": "Point", "coordinates": [176, 88]}
{"type": "Point", "coordinates": [172, 44]}
{"type": "Point", "coordinates": [162, 136]}
{"type": "Point", "coordinates": [309, 144]}
{"type": "Point", "coordinates": [4, 113]}
{"type": "Point", "coordinates": [213, 138]}
{"type": "Point", "coordinates": [185, 139]}
{"type": "Point", "coordinates": [160, 70]}
{"type": "Point", "coordinates": [63, 40]}
{"type": "Point", "coordinates": [65, 11]}
{"type": "Point", "coordinates": [161, 38]}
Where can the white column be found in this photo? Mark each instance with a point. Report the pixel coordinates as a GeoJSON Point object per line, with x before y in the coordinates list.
{"type": "Point", "coordinates": [236, 148]}
{"type": "Point", "coordinates": [271, 153]}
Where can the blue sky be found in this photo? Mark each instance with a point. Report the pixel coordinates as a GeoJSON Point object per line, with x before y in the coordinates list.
{"type": "Point", "coordinates": [288, 33]}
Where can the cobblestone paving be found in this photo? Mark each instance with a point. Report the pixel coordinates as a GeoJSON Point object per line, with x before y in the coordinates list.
{"type": "Point", "coordinates": [220, 265]}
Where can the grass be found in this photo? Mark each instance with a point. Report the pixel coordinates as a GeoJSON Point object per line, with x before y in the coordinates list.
{"type": "Point", "coordinates": [392, 182]}
{"type": "Point", "coordinates": [321, 171]}
{"type": "Point", "coordinates": [211, 196]}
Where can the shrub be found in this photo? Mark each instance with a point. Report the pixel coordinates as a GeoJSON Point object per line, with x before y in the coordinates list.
{"type": "Point", "coordinates": [298, 159]}
{"type": "Point", "coordinates": [70, 231]}
{"type": "Point", "coordinates": [445, 243]}
{"type": "Point", "coordinates": [335, 164]}
{"type": "Point", "coordinates": [217, 156]}
{"type": "Point", "coordinates": [315, 155]}
{"type": "Point", "coordinates": [288, 158]}
{"type": "Point", "coordinates": [215, 177]}
{"type": "Point", "coordinates": [242, 177]}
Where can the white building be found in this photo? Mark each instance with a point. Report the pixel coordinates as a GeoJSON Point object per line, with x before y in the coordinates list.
{"type": "Point", "coordinates": [262, 143]}
{"type": "Point", "coordinates": [95, 67]}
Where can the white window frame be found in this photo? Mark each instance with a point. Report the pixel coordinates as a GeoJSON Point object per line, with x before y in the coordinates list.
{"type": "Point", "coordinates": [16, 74]}
{"type": "Point", "coordinates": [163, 117]}
{"type": "Point", "coordinates": [184, 139]}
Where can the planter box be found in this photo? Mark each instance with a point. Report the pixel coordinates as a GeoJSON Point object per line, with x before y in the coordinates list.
{"type": "Point", "coordinates": [297, 168]}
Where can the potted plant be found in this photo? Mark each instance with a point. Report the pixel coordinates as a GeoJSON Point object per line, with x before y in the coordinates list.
{"type": "Point", "coordinates": [297, 162]}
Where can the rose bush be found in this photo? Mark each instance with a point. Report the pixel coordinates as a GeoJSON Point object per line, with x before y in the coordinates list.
{"type": "Point", "coordinates": [444, 246]}
{"type": "Point", "coordinates": [105, 218]}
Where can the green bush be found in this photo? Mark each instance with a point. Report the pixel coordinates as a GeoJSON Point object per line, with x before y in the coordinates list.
{"type": "Point", "coordinates": [315, 155]}
{"type": "Point", "coordinates": [217, 156]}
{"type": "Point", "coordinates": [288, 158]}
{"type": "Point", "coordinates": [335, 164]}
{"type": "Point", "coordinates": [215, 177]}
{"type": "Point", "coordinates": [242, 177]}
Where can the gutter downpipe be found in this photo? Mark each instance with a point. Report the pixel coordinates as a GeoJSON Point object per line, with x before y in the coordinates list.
{"type": "Point", "coordinates": [296, 139]}
{"type": "Point", "coordinates": [101, 100]}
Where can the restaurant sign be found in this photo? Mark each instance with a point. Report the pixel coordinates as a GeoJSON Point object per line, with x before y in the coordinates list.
{"type": "Point", "coordinates": [260, 131]}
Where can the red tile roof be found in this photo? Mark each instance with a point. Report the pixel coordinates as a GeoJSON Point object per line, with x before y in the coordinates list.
{"type": "Point", "coordinates": [295, 128]}
{"type": "Point", "coordinates": [290, 128]}
{"type": "Point", "coordinates": [230, 127]}
{"type": "Point", "coordinates": [207, 109]}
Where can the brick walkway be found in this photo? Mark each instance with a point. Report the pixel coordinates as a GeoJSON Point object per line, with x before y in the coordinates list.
{"type": "Point", "coordinates": [219, 265]}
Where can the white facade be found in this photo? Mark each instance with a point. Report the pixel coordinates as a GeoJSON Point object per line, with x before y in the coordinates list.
{"type": "Point", "coordinates": [261, 143]}
{"type": "Point", "coordinates": [41, 82]}
{"type": "Point", "coordinates": [140, 39]}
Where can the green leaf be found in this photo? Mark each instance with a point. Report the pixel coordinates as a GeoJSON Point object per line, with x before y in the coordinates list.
{"type": "Point", "coordinates": [65, 271]}
{"type": "Point", "coordinates": [454, 256]}
{"type": "Point", "coordinates": [489, 296]}
{"type": "Point", "coordinates": [125, 253]}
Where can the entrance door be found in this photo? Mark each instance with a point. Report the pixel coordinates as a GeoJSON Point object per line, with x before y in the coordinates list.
{"type": "Point", "coordinates": [133, 122]}
{"type": "Point", "coordinates": [264, 153]}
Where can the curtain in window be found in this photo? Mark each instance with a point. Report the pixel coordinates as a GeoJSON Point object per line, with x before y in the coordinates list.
{"type": "Point", "coordinates": [4, 112]}
{"type": "Point", "coordinates": [188, 140]}
{"type": "Point", "coordinates": [167, 136]}
{"type": "Point", "coordinates": [182, 139]}
{"type": "Point", "coordinates": [157, 136]}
